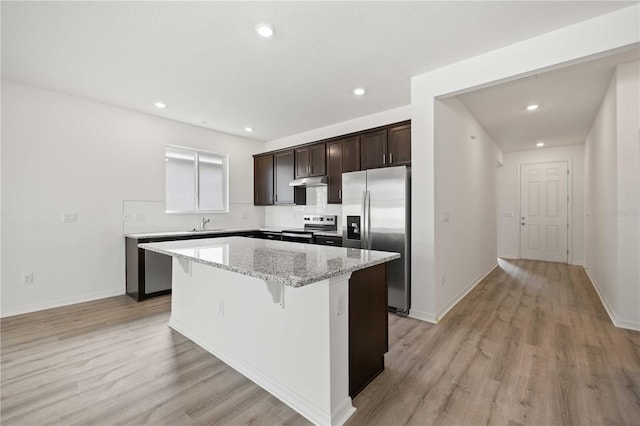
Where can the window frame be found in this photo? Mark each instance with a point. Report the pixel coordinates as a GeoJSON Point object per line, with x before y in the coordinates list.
{"type": "Point", "coordinates": [196, 190]}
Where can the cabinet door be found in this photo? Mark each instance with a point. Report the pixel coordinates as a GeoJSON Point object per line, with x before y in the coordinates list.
{"type": "Point", "coordinates": [373, 149]}
{"type": "Point", "coordinates": [351, 154]}
{"type": "Point", "coordinates": [317, 160]}
{"type": "Point", "coordinates": [399, 145]}
{"type": "Point", "coordinates": [263, 180]}
{"type": "Point", "coordinates": [303, 161]}
{"type": "Point", "coordinates": [334, 172]}
{"type": "Point", "coordinates": [283, 174]}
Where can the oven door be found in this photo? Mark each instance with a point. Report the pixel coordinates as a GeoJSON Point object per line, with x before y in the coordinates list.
{"type": "Point", "coordinates": [297, 237]}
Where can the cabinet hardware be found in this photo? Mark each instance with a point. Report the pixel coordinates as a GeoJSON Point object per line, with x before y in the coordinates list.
{"type": "Point", "coordinates": [390, 157]}
{"type": "Point", "coordinates": [384, 158]}
{"type": "Point", "coordinates": [275, 198]}
{"type": "Point", "coordinates": [340, 193]}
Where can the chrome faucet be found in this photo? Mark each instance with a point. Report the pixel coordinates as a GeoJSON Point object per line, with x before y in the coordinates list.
{"type": "Point", "coordinates": [203, 222]}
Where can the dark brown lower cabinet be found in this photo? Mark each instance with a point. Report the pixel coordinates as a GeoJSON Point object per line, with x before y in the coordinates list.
{"type": "Point", "coordinates": [368, 326]}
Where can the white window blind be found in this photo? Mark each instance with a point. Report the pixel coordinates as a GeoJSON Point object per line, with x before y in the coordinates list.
{"type": "Point", "coordinates": [196, 181]}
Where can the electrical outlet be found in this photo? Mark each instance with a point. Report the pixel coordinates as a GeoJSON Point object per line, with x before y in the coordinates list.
{"type": "Point", "coordinates": [27, 278]}
{"type": "Point", "coordinates": [445, 217]}
{"type": "Point", "coordinates": [70, 217]}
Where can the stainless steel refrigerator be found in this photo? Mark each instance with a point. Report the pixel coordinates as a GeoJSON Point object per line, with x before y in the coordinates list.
{"type": "Point", "coordinates": [376, 215]}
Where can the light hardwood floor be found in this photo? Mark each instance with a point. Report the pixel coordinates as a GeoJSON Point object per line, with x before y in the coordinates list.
{"type": "Point", "coordinates": [530, 345]}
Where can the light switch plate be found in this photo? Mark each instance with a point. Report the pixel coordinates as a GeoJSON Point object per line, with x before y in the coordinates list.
{"type": "Point", "coordinates": [445, 217]}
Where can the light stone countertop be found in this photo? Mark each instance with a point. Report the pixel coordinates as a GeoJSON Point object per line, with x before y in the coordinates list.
{"type": "Point", "coordinates": [162, 234]}
{"type": "Point", "coordinates": [205, 232]}
{"type": "Point", "coordinates": [292, 264]}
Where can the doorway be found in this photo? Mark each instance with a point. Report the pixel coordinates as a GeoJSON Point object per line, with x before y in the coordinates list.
{"type": "Point", "coordinates": [544, 211]}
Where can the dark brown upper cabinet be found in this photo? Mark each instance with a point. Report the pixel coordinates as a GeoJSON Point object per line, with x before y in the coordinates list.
{"type": "Point", "coordinates": [351, 154]}
{"type": "Point", "coordinates": [342, 156]}
{"type": "Point", "coordinates": [373, 149]}
{"type": "Point", "coordinates": [386, 147]}
{"type": "Point", "coordinates": [283, 174]}
{"type": "Point", "coordinates": [310, 160]}
{"type": "Point", "coordinates": [381, 147]}
{"type": "Point", "coordinates": [334, 172]}
{"type": "Point", "coordinates": [263, 180]}
{"type": "Point", "coordinates": [399, 145]}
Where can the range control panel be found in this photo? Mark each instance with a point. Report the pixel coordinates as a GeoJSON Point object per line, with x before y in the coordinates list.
{"type": "Point", "coordinates": [324, 221]}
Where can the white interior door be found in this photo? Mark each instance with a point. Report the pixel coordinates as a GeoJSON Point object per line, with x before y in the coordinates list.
{"type": "Point", "coordinates": [543, 209]}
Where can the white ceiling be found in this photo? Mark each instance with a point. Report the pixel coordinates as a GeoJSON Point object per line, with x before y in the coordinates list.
{"type": "Point", "coordinates": [204, 60]}
{"type": "Point", "coordinates": [568, 100]}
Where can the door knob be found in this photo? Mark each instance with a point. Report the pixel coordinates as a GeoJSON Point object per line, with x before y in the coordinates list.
{"type": "Point", "coordinates": [523, 223]}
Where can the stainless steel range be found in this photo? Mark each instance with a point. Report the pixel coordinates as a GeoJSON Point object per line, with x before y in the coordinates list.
{"type": "Point", "coordinates": [312, 223]}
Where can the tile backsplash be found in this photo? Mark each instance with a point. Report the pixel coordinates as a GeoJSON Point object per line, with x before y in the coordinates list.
{"type": "Point", "coordinates": [291, 216]}
{"type": "Point", "coordinates": [150, 216]}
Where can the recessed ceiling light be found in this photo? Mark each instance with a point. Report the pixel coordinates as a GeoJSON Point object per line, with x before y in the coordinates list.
{"type": "Point", "coordinates": [359, 91]}
{"type": "Point", "coordinates": [248, 129]}
{"type": "Point", "coordinates": [264, 30]}
{"type": "Point", "coordinates": [160, 105]}
{"type": "Point", "coordinates": [540, 144]}
{"type": "Point", "coordinates": [532, 107]}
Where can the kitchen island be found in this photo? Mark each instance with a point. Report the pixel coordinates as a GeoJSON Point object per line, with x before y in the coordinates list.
{"type": "Point", "coordinates": [307, 323]}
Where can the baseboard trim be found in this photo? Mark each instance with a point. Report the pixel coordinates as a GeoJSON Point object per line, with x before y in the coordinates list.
{"type": "Point", "coordinates": [422, 316]}
{"type": "Point", "coordinates": [629, 325]}
{"type": "Point", "coordinates": [456, 299]}
{"type": "Point", "coordinates": [58, 303]}
{"type": "Point", "coordinates": [343, 411]}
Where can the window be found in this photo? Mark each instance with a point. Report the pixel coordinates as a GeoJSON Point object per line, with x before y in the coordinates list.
{"type": "Point", "coordinates": [196, 181]}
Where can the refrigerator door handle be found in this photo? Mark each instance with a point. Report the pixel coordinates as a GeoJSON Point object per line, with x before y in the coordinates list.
{"type": "Point", "coordinates": [368, 220]}
{"type": "Point", "coordinates": [363, 227]}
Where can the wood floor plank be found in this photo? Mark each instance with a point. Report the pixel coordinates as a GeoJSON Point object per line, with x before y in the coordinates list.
{"type": "Point", "coordinates": [530, 345]}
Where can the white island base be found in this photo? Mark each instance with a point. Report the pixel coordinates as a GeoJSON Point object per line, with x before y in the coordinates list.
{"type": "Point", "coordinates": [292, 341]}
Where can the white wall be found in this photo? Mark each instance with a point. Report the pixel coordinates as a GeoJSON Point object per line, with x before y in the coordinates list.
{"type": "Point", "coordinates": [628, 153]}
{"type": "Point", "coordinates": [612, 199]}
{"type": "Point", "coordinates": [508, 198]}
{"type": "Point", "coordinates": [66, 154]}
{"type": "Point", "coordinates": [465, 188]}
{"type": "Point", "coordinates": [548, 51]}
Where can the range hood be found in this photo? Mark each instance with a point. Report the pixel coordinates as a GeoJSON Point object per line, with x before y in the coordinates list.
{"type": "Point", "coordinates": [309, 181]}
